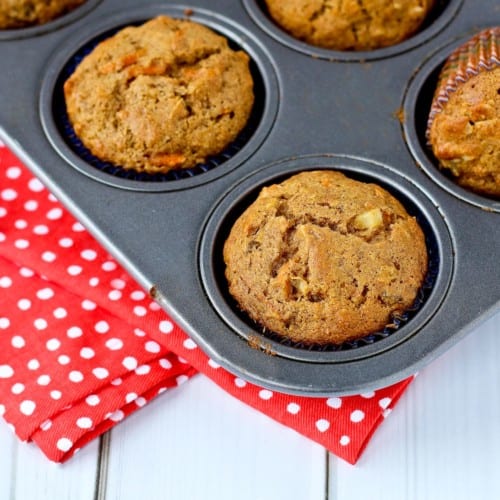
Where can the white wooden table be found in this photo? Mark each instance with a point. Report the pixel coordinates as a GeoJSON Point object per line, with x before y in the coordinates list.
{"type": "Point", "coordinates": [442, 441]}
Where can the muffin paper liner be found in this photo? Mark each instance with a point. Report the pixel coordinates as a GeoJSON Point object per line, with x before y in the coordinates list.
{"type": "Point", "coordinates": [480, 53]}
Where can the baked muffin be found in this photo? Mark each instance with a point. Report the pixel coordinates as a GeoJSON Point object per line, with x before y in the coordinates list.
{"type": "Point", "coordinates": [164, 95]}
{"type": "Point", "coordinates": [464, 123]}
{"type": "Point", "coordinates": [25, 13]}
{"type": "Point", "coordinates": [350, 24]}
{"type": "Point", "coordinates": [322, 259]}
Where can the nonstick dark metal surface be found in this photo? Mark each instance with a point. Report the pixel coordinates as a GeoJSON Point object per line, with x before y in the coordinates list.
{"type": "Point", "coordinates": [361, 113]}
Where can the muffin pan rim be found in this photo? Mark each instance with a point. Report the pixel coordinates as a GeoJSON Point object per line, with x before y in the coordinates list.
{"type": "Point", "coordinates": [384, 143]}
{"type": "Point", "coordinates": [221, 24]}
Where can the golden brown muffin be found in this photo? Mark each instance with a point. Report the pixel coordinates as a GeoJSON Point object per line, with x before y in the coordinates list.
{"type": "Point", "coordinates": [464, 127]}
{"type": "Point", "coordinates": [160, 96]}
{"type": "Point", "coordinates": [350, 24]}
{"type": "Point", "coordinates": [321, 258]}
{"type": "Point", "coordinates": [24, 13]}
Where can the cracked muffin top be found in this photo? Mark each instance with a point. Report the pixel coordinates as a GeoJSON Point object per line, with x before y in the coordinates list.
{"type": "Point", "coordinates": [350, 24]}
{"type": "Point", "coordinates": [322, 259]}
{"type": "Point", "coordinates": [24, 13]}
{"type": "Point", "coordinates": [160, 96]}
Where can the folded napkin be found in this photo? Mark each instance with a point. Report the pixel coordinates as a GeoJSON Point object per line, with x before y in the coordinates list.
{"type": "Point", "coordinates": [82, 345]}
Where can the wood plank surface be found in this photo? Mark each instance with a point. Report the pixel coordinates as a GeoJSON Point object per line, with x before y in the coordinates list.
{"type": "Point", "coordinates": [442, 440]}
{"type": "Point", "coordinates": [8, 445]}
{"type": "Point", "coordinates": [25, 474]}
{"type": "Point", "coordinates": [199, 443]}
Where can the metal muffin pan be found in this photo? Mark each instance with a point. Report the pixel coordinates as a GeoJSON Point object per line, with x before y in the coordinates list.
{"type": "Point", "coordinates": [361, 113]}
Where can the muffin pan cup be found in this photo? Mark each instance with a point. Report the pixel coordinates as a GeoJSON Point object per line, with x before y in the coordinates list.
{"type": "Point", "coordinates": [360, 115]}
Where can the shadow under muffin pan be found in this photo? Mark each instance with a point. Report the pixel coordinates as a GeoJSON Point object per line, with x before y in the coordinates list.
{"type": "Point", "coordinates": [63, 137]}
{"type": "Point", "coordinates": [438, 18]}
{"type": "Point", "coordinates": [359, 113]}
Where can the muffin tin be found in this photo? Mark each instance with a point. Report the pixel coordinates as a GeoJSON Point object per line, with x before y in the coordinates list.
{"type": "Point", "coordinates": [363, 113]}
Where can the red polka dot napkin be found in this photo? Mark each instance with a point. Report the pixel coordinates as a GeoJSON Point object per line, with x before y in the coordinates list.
{"type": "Point", "coordinates": [82, 346]}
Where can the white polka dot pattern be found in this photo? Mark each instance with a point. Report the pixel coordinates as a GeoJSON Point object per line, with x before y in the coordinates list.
{"type": "Point", "coordinates": [322, 425]}
{"type": "Point", "coordinates": [104, 348]}
{"type": "Point", "coordinates": [6, 371]}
